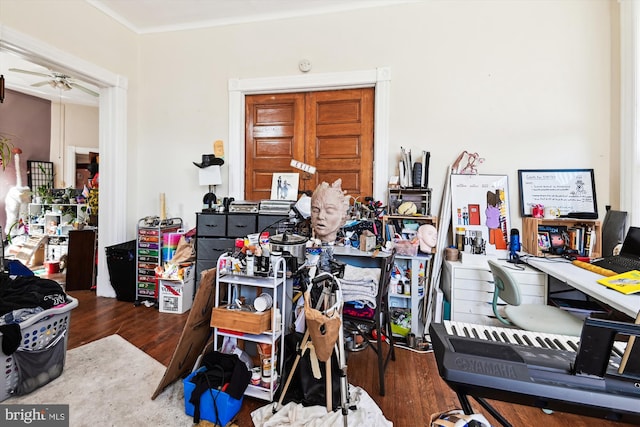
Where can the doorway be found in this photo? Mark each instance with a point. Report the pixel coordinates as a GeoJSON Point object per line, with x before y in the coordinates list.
{"type": "Point", "coordinates": [379, 79]}
{"type": "Point", "coordinates": [113, 135]}
{"type": "Point", "coordinates": [330, 130]}
{"type": "Point", "coordinates": [77, 160]}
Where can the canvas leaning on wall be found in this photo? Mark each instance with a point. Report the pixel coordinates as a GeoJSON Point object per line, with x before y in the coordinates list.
{"type": "Point", "coordinates": [480, 210]}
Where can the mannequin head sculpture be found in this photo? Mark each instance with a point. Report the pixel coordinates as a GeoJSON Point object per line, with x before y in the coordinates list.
{"type": "Point", "coordinates": [428, 236]}
{"type": "Point", "coordinates": [329, 206]}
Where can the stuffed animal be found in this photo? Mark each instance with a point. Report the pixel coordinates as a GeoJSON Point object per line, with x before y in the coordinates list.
{"type": "Point", "coordinates": [428, 236]}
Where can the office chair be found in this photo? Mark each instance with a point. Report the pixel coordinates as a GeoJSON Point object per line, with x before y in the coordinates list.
{"type": "Point", "coordinates": [381, 320]}
{"type": "Point", "coordinates": [614, 226]}
{"type": "Point", "coordinates": [530, 317]}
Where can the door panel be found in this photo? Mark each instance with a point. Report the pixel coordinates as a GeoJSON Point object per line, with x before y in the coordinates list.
{"type": "Point", "coordinates": [274, 136]}
{"type": "Point", "coordinates": [331, 130]}
{"type": "Point", "coordinates": [340, 138]}
{"type": "Point", "coordinates": [338, 147]}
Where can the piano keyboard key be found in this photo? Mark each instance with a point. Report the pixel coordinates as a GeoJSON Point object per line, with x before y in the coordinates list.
{"type": "Point", "coordinates": [559, 344]}
{"type": "Point", "coordinates": [521, 337]}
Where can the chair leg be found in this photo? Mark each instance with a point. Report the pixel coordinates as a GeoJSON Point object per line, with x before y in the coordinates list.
{"type": "Point", "coordinates": [380, 354]}
{"type": "Point", "coordinates": [392, 341]}
{"type": "Point", "coordinates": [384, 328]}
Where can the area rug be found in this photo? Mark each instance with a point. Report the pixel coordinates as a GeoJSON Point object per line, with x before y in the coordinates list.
{"type": "Point", "coordinates": [109, 382]}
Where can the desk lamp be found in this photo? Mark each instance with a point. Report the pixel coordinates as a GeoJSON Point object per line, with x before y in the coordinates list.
{"type": "Point", "coordinates": [210, 176]}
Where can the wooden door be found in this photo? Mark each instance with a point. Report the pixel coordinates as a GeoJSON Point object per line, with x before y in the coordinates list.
{"type": "Point", "coordinates": [331, 130]}
{"type": "Point", "coordinates": [81, 260]}
{"type": "Point", "coordinates": [274, 135]}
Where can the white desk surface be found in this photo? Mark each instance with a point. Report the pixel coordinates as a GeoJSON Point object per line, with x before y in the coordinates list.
{"type": "Point", "coordinates": [585, 281]}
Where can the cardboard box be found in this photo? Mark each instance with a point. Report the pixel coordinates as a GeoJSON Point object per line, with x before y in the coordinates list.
{"type": "Point", "coordinates": [176, 296]}
{"type": "Point", "coordinates": [249, 322]}
{"type": "Point", "coordinates": [367, 241]}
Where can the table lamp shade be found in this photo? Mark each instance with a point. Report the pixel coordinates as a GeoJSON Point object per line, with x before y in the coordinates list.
{"type": "Point", "coordinates": [210, 176]}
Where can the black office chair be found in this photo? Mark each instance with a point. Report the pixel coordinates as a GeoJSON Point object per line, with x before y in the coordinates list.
{"type": "Point", "coordinates": [381, 321]}
{"type": "Point", "coordinates": [614, 227]}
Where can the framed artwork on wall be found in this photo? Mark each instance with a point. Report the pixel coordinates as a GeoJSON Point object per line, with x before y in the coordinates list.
{"type": "Point", "coordinates": [480, 209]}
{"type": "Point", "coordinates": [571, 191]}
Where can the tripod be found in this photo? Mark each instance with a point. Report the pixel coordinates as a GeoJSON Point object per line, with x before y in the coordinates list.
{"type": "Point", "coordinates": [331, 300]}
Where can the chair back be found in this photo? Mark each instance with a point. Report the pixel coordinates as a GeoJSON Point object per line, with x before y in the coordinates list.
{"type": "Point", "coordinates": [505, 288]}
{"type": "Point", "coordinates": [614, 227]}
{"type": "Point", "coordinates": [385, 277]}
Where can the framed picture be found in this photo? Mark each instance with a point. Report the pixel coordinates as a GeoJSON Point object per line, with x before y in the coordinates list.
{"type": "Point", "coordinates": [284, 186]}
{"type": "Point", "coordinates": [480, 207]}
{"type": "Point", "coordinates": [544, 241]}
{"type": "Point", "coordinates": [571, 191]}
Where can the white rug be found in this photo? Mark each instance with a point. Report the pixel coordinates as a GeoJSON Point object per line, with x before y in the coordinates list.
{"type": "Point", "coordinates": [109, 382]}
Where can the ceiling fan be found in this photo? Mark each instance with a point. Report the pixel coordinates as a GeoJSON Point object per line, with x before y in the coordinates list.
{"type": "Point", "coordinates": [56, 80]}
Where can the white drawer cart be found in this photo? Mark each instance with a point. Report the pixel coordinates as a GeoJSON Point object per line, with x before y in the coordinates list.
{"type": "Point", "coordinates": [469, 290]}
{"type": "Point", "coordinates": [242, 284]}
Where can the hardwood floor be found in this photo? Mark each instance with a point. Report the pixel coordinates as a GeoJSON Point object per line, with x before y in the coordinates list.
{"type": "Point", "coordinates": [414, 388]}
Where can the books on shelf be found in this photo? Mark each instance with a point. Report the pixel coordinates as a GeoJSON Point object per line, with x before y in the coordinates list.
{"type": "Point", "coordinates": [627, 283]}
{"type": "Point", "coordinates": [580, 238]}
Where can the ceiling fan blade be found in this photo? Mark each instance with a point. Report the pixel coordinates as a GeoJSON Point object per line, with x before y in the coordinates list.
{"type": "Point", "coordinates": [40, 84]}
{"type": "Point", "coordinates": [84, 89]}
{"type": "Point", "coordinates": [33, 73]}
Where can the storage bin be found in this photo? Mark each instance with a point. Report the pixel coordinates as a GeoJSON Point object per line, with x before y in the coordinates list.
{"type": "Point", "coordinates": [176, 296]}
{"type": "Point", "coordinates": [44, 332]}
{"type": "Point", "coordinates": [399, 330]}
{"type": "Point", "coordinates": [121, 262]}
{"type": "Point", "coordinates": [227, 407]}
{"type": "Point", "coordinates": [248, 322]}
{"type": "Point", "coordinates": [406, 247]}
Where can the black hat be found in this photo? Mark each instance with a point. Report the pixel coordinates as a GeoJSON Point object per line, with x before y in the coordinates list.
{"type": "Point", "coordinates": [209, 160]}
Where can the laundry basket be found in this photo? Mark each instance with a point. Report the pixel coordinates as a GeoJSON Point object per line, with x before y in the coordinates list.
{"type": "Point", "coordinates": [45, 334]}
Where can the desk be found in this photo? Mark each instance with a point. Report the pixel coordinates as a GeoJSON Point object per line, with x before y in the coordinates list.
{"type": "Point", "coordinates": [585, 281]}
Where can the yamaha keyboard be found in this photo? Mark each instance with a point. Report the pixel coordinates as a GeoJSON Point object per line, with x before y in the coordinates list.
{"type": "Point", "coordinates": [558, 372]}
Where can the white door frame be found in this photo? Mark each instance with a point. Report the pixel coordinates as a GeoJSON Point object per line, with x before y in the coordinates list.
{"type": "Point", "coordinates": [112, 136]}
{"type": "Point", "coordinates": [379, 78]}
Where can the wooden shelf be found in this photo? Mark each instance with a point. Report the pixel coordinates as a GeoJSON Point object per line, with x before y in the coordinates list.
{"type": "Point", "coordinates": [400, 219]}
{"type": "Point", "coordinates": [420, 196]}
{"type": "Point", "coordinates": [530, 226]}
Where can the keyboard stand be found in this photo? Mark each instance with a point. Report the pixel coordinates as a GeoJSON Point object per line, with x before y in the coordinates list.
{"type": "Point", "coordinates": [466, 407]}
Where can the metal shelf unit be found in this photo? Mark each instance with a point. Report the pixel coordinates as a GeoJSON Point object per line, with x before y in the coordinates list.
{"type": "Point", "coordinates": [275, 286]}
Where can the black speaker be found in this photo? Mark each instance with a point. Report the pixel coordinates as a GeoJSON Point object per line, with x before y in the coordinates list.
{"type": "Point", "coordinates": [614, 228]}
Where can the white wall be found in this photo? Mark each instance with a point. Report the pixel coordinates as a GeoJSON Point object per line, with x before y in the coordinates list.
{"type": "Point", "coordinates": [526, 84]}
{"type": "Point", "coordinates": [72, 126]}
